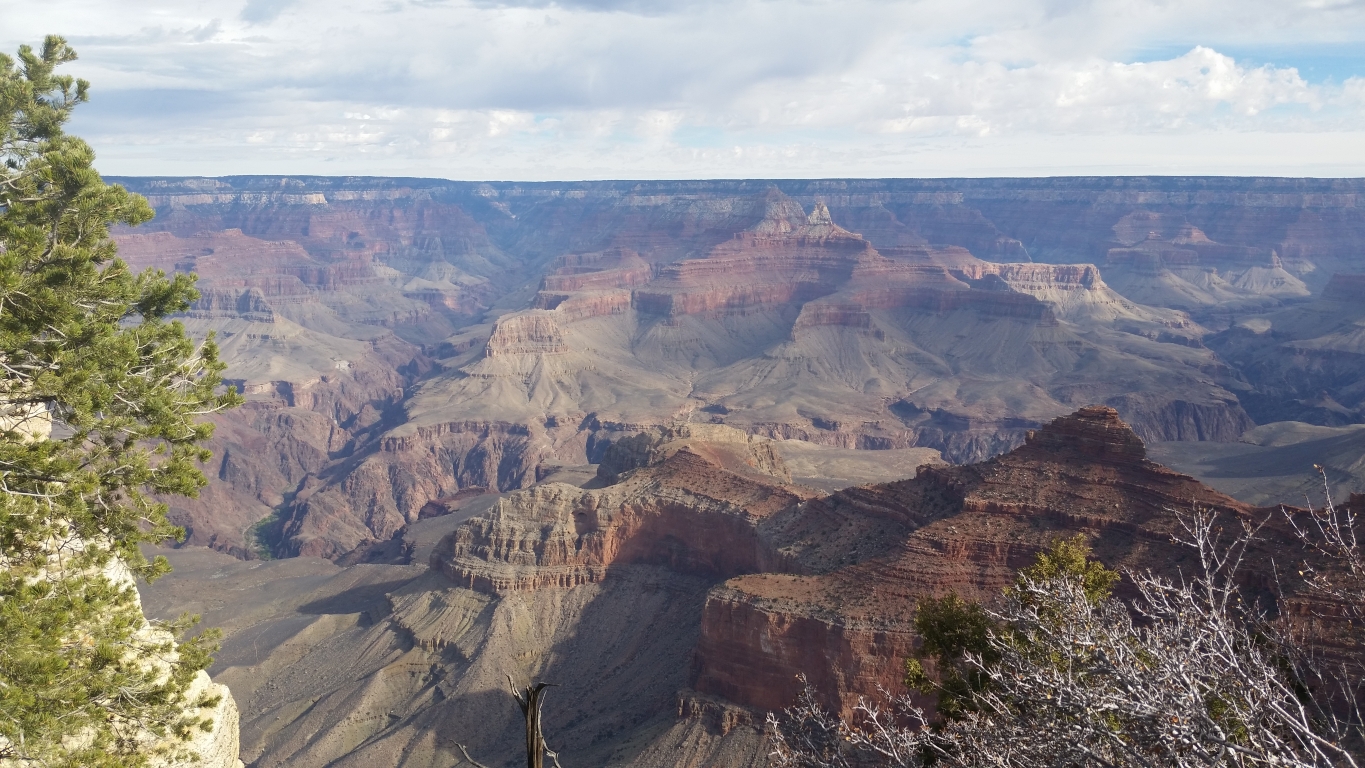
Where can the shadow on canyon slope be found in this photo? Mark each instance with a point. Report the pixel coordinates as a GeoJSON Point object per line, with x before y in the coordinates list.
{"type": "Point", "coordinates": [403, 339]}
{"type": "Point", "coordinates": [664, 656]}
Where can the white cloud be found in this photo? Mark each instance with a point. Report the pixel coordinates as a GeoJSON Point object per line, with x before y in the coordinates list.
{"type": "Point", "coordinates": [568, 88]}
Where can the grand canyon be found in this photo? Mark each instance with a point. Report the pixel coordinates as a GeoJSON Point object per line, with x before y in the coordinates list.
{"type": "Point", "coordinates": [668, 445]}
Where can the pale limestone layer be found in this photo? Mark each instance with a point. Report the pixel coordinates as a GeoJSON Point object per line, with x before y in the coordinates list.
{"type": "Point", "coordinates": [33, 422]}
{"type": "Point", "coordinates": [217, 747]}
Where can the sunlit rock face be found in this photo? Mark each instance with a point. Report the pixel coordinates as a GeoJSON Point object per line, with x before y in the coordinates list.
{"type": "Point", "coordinates": [673, 597]}
{"type": "Point", "coordinates": [712, 420]}
{"type": "Point", "coordinates": [865, 557]}
{"type": "Point", "coordinates": [214, 746]}
{"type": "Point", "coordinates": [402, 340]}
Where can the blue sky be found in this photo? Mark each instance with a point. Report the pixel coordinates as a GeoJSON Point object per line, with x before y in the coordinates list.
{"type": "Point", "coordinates": [574, 89]}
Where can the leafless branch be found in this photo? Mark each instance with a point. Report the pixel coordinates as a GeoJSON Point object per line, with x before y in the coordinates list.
{"type": "Point", "coordinates": [469, 759]}
{"type": "Point", "coordinates": [1189, 675]}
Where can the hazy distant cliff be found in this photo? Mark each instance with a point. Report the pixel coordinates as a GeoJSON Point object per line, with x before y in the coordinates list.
{"type": "Point", "coordinates": [403, 339]}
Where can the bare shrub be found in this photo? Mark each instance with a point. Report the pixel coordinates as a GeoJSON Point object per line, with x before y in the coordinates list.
{"type": "Point", "coordinates": [1333, 534]}
{"type": "Point", "coordinates": [1189, 674]}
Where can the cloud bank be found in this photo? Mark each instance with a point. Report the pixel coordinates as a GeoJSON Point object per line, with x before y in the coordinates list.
{"type": "Point", "coordinates": [546, 89]}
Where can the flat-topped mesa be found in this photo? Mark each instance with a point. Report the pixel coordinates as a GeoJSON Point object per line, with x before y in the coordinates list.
{"type": "Point", "coordinates": [1042, 280]}
{"type": "Point", "coordinates": [1095, 432]}
{"type": "Point", "coordinates": [685, 512]}
{"type": "Point", "coordinates": [863, 558]}
{"type": "Point", "coordinates": [728, 448]}
{"type": "Point", "coordinates": [1344, 287]}
{"type": "Point", "coordinates": [613, 268]}
{"type": "Point", "coordinates": [583, 305]}
{"type": "Point", "coordinates": [843, 314]}
{"type": "Point", "coordinates": [526, 333]}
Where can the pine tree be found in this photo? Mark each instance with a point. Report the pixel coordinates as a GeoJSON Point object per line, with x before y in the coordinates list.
{"type": "Point", "coordinates": [101, 399]}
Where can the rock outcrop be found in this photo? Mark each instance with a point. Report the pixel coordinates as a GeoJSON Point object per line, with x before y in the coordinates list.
{"type": "Point", "coordinates": [675, 605]}
{"type": "Point", "coordinates": [693, 504]}
{"type": "Point", "coordinates": [827, 585]}
{"type": "Point", "coordinates": [847, 622]}
{"type": "Point", "coordinates": [490, 330]}
{"type": "Point", "coordinates": [216, 744]}
{"type": "Point", "coordinates": [1305, 362]}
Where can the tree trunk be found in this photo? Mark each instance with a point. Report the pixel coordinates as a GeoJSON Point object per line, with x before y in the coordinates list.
{"type": "Point", "coordinates": [529, 699]}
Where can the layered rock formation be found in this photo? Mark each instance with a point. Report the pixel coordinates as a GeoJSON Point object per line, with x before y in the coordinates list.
{"type": "Point", "coordinates": [475, 335]}
{"type": "Point", "coordinates": [1165, 260]}
{"type": "Point", "coordinates": [407, 344]}
{"type": "Point", "coordinates": [1305, 362]}
{"type": "Point", "coordinates": [694, 506]}
{"type": "Point", "coordinates": [846, 622]}
{"type": "Point", "coordinates": [673, 607]}
{"type": "Point", "coordinates": [794, 328]}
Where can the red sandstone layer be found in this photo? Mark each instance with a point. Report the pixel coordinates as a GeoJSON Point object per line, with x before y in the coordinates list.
{"type": "Point", "coordinates": [966, 530]}
{"type": "Point", "coordinates": [686, 512]}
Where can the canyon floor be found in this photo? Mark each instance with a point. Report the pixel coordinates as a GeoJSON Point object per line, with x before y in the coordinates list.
{"type": "Point", "coordinates": [667, 444]}
{"type": "Point", "coordinates": [672, 597]}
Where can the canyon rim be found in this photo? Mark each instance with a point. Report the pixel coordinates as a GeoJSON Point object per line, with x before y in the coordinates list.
{"type": "Point", "coordinates": [668, 444]}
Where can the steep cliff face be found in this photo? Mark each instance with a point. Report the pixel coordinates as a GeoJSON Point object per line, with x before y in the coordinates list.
{"type": "Point", "coordinates": [150, 647]}
{"type": "Point", "coordinates": [847, 623]}
{"type": "Point", "coordinates": [468, 334]}
{"type": "Point", "coordinates": [673, 607]}
{"type": "Point", "coordinates": [531, 333]}
{"type": "Point", "coordinates": [723, 446]}
{"type": "Point", "coordinates": [827, 586]}
{"type": "Point", "coordinates": [614, 268]}
{"type": "Point", "coordinates": [1305, 362]}
{"type": "Point", "coordinates": [689, 498]}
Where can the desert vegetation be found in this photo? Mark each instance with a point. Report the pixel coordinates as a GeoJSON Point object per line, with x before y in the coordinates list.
{"type": "Point", "coordinates": [101, 406]}
{"type": "Point", "coordinates": [572, 383]}
{"type": "Point", "coordinates": [1192, 671]}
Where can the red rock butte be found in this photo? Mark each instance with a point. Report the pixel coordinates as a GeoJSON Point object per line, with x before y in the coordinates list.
{"type": "Point", "coordinates": [436, 336]}
{"type": "Point", "coordinates": [690, 438]}
{"type": "Point", "coordinates": [827, 585]}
